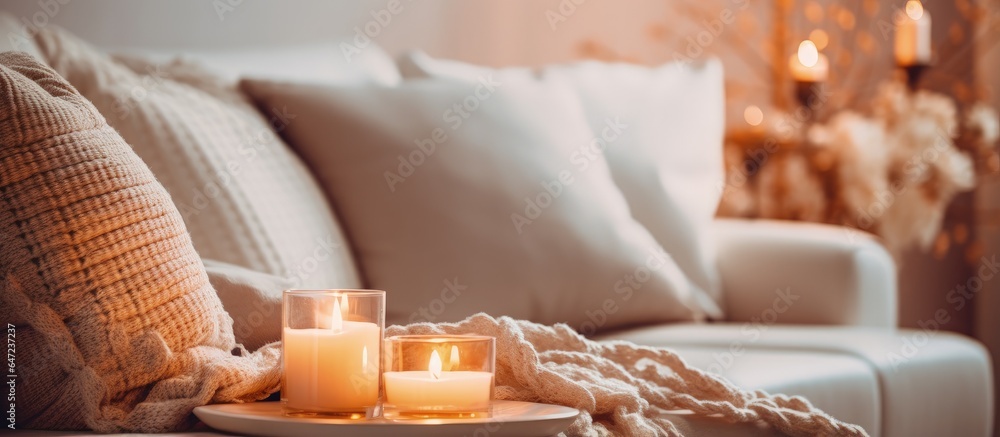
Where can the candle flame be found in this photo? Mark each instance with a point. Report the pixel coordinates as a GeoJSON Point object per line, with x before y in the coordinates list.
{"type": "Point", "coordinates": [808, 53]}
{"type": "Point", "coordinates": [364, 358]}
{"type": "Point", "coordinates": [914, 9]}
{"type": "Point", "coordinates": [337, 320]}
{"type": "Point", "coordinates": [453, 361]}
{"type": "Point", "coordinates": [434, 366]}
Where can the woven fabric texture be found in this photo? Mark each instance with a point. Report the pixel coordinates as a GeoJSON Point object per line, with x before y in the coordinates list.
{"type": "Point", "coordinates": [623, 388]}
{"type": "Point", "coordinates": [245, 197]}
{"type": "Point", "coordinates": [117, 326]}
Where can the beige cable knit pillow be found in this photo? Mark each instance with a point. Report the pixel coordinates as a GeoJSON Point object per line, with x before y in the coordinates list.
{"type": "Point", "coordinates": [117, 328]}
{"type": "Point", "coordinates": [244, 196]}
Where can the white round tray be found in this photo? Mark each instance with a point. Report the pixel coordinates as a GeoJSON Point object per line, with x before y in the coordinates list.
{"type": "Point", "coordinates": [509, 418]}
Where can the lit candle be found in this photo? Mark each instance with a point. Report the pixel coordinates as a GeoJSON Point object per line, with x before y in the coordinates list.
{"type": "Point", "coordinates": [334, 368]}
{"type": "Point", "coordinates": [913, 35]}
{"type": "Point", "coordinates": [809, 65]}
{"type": "Point", "coordinates": [435, 389]}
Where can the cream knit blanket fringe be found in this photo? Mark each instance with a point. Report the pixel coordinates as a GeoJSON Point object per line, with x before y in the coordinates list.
{"type": "Point", "coordinates": [623, 388]}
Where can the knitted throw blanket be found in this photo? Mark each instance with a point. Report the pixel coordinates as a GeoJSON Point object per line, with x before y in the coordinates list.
{"type": "Point", "coordinates": [623, 388]}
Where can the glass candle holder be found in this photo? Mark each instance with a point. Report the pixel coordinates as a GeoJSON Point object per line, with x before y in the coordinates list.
{"type": "Point", "coordinates": [435, 376]}
{"type": "Point", "coordinates": [331, 351]}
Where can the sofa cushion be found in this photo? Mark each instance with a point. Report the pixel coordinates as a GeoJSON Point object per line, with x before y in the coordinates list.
{"type": "Point", "coordinates": [246, 199]}
{"type": "Point", "coordinates": [661, 131]}
{"type": "Point", "coordinates": [252, 299]}
{"type": "Point", "coordinates": [841, 385]}
{"type": "Point", "coordinates": [920, 373]}
{"type": "Point", "coordinates": [116, 325]}
{"type": "Point", "coordinates": [459, 198]}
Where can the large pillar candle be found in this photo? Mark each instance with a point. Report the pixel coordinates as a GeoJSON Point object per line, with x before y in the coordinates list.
{"type": "Point", "coordinates": [330, 366]}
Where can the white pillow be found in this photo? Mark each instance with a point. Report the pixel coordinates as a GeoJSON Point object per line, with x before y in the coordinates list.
{"type": "Point", "coordinates": [491, 216]}
{"type": "Point", "coordinates": [665, 128]}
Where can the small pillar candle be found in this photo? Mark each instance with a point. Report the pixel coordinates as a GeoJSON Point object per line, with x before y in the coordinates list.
{"type": "Point", "coordinates": [432, 376]}
{"type": "Point", "coordinates": [331, 343]}
{"type": "Point", "coordinates": [913, 35]}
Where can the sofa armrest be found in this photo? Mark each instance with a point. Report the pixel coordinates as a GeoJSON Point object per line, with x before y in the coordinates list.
{"type": "Point", "coordinates": [804, 273]}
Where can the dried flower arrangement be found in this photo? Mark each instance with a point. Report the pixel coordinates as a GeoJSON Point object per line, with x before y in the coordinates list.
{"type": "Point", "coordinates": [892, 172]}
{"type": "Point", "coordinates": [889, 161]}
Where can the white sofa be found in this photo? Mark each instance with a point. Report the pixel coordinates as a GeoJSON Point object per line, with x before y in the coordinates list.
{"type": "Point", "coordinates": [812, 311]}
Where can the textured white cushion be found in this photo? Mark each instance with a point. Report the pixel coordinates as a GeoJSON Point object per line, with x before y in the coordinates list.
{"type": "Point", "coordinates": [433, 223]}
{"type": "Point", "coordinates": [667, 160]}
{"type": "Point", "coordinates": [314, 63]}
{"type": "Point", "coordinates": [245, 197]}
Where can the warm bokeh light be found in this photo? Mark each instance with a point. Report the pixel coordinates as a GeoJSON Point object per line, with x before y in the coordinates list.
{"type": "Point", "coordinates": [753, 115]}
{"type": "Point", "coordinates": [820, 38]}
{"type": "Point", "coordinates": [808, 53]}
{"type": "Point", "coordinates": [814, 12]}
{"type": "Point", "coordinates": [846, 19]}
{"type": "Point", "coordinates": [914, 9]}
